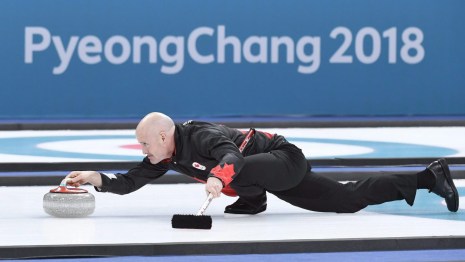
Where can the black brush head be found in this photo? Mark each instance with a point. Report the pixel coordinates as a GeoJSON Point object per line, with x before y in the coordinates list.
{"type": "Point", "coordinates": [191, 221]}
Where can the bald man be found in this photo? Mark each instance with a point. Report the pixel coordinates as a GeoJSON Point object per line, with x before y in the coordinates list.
{"type": "Point", "coordinates": [269, 163]}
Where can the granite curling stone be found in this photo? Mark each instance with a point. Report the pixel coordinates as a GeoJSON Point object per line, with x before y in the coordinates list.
{"type": "Point", "coordinates": [68, 202]}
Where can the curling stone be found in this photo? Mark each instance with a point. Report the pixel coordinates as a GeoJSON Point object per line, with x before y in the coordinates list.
{"type": "Point", "coordinates": [65, 201]}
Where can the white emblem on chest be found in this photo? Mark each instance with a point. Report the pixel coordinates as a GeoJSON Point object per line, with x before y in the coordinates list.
{"type": "Point", "coordinates": [198, 166]}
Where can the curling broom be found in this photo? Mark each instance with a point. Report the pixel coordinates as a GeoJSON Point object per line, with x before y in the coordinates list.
{"type": "Point", "coordinates": [201, 221]}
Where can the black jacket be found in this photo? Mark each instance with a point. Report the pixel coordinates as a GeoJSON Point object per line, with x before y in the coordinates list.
{"type": "Point", "coordinates": [201, 150]}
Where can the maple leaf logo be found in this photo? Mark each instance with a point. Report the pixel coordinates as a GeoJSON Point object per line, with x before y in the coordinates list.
{"type": "Point", "coordinates": [224, 173]}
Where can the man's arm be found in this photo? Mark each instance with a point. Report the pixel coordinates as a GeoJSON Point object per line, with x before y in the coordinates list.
{"type": "Point", "coordinates": [230, 160]}
{"type": "Point", "coordinates": [119, 183]}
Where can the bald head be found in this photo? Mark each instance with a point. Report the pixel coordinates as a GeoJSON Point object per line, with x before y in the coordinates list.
{"type": "Point", "coordinates": [155, 121]}
{"type": "Point", "coordinates": [155, 132]}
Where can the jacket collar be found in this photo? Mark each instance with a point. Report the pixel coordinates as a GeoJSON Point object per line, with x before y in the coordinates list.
{"type": "Point", "coordinates": [178, 132]}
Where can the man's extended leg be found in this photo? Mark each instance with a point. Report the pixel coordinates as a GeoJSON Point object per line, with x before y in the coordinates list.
{"type": "Point", "coordinates": [319, 193]}
{"type": "Point", "coordinates": [322, 194]}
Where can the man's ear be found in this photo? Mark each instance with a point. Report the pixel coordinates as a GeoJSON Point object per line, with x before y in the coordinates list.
{"type": "Point", "coordinates": [163, 136]}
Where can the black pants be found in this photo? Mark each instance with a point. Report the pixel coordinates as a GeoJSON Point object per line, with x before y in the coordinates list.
{"type": "Point", "coordinates": [285, 173]}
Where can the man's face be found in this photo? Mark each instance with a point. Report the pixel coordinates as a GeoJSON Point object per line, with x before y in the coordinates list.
{"type": "Point", "coordinates": [153, 146]}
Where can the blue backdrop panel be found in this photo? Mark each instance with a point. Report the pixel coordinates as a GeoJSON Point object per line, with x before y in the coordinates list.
{"type": "Point", "coordinates": [116, 59]}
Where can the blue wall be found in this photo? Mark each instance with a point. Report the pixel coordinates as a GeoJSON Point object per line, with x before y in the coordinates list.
{"type": "Point", "coordinates": [82, 59]}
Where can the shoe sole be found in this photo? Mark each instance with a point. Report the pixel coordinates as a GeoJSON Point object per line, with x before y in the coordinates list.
{"type": "Point", "coordinates": [449, 179]}
{"type": "Point", "coordinates": [262, 209]}
{"type": "Point", "coordinates": [231, 215]}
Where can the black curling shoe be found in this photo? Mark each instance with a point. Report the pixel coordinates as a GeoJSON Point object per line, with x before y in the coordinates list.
{"type": "Point", "coordinates": [444, 186]}
{"type": "Point", "coordinates": [242, 207]}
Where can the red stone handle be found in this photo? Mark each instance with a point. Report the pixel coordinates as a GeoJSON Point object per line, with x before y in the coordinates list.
{"type": "Point", "coordinates": [63, 188]}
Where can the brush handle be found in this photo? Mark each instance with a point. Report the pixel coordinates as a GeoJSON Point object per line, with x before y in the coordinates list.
{"type": "Point", "coordinates": [205, 204]}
